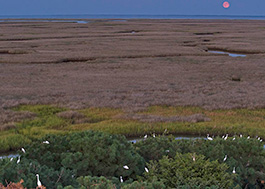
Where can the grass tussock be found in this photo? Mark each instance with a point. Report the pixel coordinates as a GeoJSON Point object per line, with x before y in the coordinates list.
{"type": "Point", "coordinates": [56, 120]}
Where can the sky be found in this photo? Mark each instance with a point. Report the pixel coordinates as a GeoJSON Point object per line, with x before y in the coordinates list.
{"type": "Point", "coordinates": [140, 7]}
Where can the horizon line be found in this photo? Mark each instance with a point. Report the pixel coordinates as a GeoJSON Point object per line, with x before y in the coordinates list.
{"type": "Point", "coordinates": [131, 15]}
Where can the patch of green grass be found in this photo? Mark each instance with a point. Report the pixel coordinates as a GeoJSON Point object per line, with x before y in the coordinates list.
{"type": "Point", "coordinates": [40, 110]}
{"type": "Point", "coordinates": [172, 111]}
{"type": "Point", "coordinates": [234, 121]}
{"type": "Point", "coordinates": [100, 114]}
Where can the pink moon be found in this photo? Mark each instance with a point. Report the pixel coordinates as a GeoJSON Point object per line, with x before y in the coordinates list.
{"type": "Point", "coordinates": [226, 5]}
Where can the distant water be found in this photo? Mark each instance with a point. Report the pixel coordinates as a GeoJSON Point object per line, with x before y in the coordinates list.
{"type": "Point", "coordinates": [110, 16]}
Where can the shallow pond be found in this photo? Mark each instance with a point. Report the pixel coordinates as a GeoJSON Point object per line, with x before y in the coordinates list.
{"type": "Point", "coordinates": [230, 54]}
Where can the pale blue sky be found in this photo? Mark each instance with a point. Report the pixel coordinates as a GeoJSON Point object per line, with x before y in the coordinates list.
{"type": "Point", "coordinates": [150, 7]}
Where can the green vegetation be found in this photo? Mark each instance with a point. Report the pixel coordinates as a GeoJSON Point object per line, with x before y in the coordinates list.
{"type": "Point", "coordinates": [56, 120]}
{"type": "Point", "coordinates": [246, 155]}
{"type": "Point", "coordinates": [190, 171]}
{"type": "Point", "coordinates": [93, 159]}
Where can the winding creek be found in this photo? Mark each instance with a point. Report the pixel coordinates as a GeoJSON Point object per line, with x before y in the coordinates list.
{"type": "Point", "coordinates": [230, 54]}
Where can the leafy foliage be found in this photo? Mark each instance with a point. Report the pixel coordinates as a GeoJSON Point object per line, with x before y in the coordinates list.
{"type": "Point", "coordinates": [96, 159]}
{"type": "Point", "coordinates": [93, 183]}
{"type": "Point", "coordinates": [155, 148]}
{"type": "Point", "coordinates": [246, 155]}
{"type": "Point", "coordinates": [27, 170]}
{"type": "Point", "coordinates": [89, 153]}
{"type": "Point", "coordinates": [183, 171]}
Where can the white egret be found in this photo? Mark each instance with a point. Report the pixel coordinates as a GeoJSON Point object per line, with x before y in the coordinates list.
{"type": "Point", "coordinates": [154, 135]}
{"type": "Point", "coordinates": [11, 159]}
{"type": "Point", "coordinates": [209, 138]}
{"type": "Point", "coordinates": [165, 130]}
{"type": "Point", "coordinates": [121, 179]}
{"type": "Point", "coordinates": [234, 138]}
{"type": "Point", "coordinates": [125, 167]}
{"type": "Point", "coordinates": [259, 138]}
{"type": "Point", "coordinates": [46, 142]}
{"type": "Point", "coordinates": [18, 160]}
{"type": "Point", "coordinates": [145, 136]}
{"type": "Point", "coordinates": [167, 151]}
{"type": "Point", "coordinates": [38, 180]}
{"type": "Point", "coordinates": [23, 150]}
{"type": "Point", "coordinates": [226, 136]}
{"type": "Point", "coordinates": [225, 158]}
{"type": "Point", "coordinates": [248, 137]}
{"type": "Point", "coordinates": [241, 136]}
{"type": "Point", "coordinates": [146, 169]}
{"type": "Point", "coordinates": [234, 170]}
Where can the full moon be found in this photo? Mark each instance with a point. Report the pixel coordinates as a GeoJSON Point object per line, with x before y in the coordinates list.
{"type": "Point", "coordinates": [226, 5]}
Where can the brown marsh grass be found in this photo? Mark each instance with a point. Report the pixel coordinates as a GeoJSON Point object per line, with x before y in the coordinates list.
{"type": "Point", "coordinates": [106, 67]}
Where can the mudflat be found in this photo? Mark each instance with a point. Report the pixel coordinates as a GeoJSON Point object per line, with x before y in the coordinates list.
{"type": "Point", "coordinates": [132, 64]}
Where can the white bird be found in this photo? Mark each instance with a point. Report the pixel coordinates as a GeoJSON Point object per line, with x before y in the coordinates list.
{"type": "Point", "coordinates": [259, 138]}
{"type": "Point", "coordinates": [234, 138]}
{"type": "Point", "coordinates": [223, 136]}
{"type": "Point", "coordinates": [226, 136]}
{"type": "Point", "coordinates": [167, 150]}
{"type": "Point", "coordinates": [121, 179]}
{"type": "Point", "coordinates": [145, 136]}
{"type": "Point", "coordinates": [154, 135]}
{"type": "Point", "coordinates": [46, 142]}
{"type": "Point", "coordinates": [225, 157]}
{"type": "Point", "coordinates": [209, 138]}
{"type": "Point", "coordinates": [38, 180]}
{"type": "Point", "coordinates": [241, 136]}
{"type": "Point", "coordinates": [18, 160]}
{"type": "Point", "coordinates": [193, 158]}
{"type": "Point", "coordinates": [11, 159]}
{"type": "Point", "coordinates": [248, 137]}
{"type": "Point", "coordinates": [146, 169]}
{"type": "Point", "coordinates": [23, 150]}
{"type": "Point", "coordinates": [125, 167]}
{"type": "Point", "coordinates": [165, 130]}
{"type": "Point", "coordinates": [234, 170]}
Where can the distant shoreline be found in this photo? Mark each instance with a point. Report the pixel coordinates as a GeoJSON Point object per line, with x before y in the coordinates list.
{"type": "Point", "coordinates": [113, 16]}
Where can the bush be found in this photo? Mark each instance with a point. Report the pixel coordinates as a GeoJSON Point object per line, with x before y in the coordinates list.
{"type": "Point", "coordinates": [155, 148]}
{"type": "Point", "coordinates": [27, 170]}
{"type": "Point", "coordinates": [89, 154]}
{"type": "Point", "coordinates": [144, 185]}
{"type": "Point", "coordinates": [183, 171]}
{"type": "Point", "coordinates": [246, 155]}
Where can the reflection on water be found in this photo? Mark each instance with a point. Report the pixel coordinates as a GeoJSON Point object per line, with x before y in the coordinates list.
{"type": "Point", "coordinates": [177, 138]}
{"type": "Point", "coordinates": [230, 54]}
{"type": "Point", "coordinates": [8, 156]}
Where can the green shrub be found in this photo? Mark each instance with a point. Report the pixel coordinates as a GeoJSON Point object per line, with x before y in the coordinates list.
{"type": "Point", "coordinates": [144, 185]}
{"type": "Point", "coordinates": [95, 183]}
{"type": "Point", "coordinates": [155, 148]}
{"type": "Point", "coordinates": [89, 153]}
{"type": "Point", "coordinates": [11, 171]}
{"type": "Point", "coordinates": [246, 155]}
{"type": "Point", "coordinates": [183, 171]}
